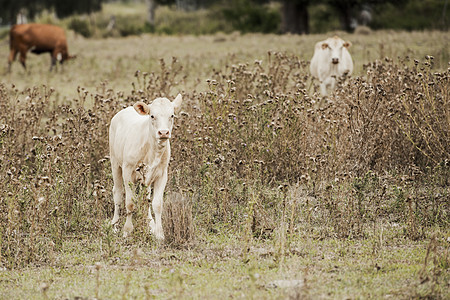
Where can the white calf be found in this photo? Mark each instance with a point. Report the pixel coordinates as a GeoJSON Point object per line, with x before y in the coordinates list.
{"type": "Point", "coordinates": [140, 134]}
{"type": "Point", "coordinates": [331, 59]}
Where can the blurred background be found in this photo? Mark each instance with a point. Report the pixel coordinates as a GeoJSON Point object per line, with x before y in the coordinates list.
{"type": "Point", "coordinates": [105, 18]}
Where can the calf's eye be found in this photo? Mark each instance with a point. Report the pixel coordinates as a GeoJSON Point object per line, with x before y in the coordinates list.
{"type": "Point", "coordinates": [152, 116]}
{"type": "Point", "coordinates": [172, 116]}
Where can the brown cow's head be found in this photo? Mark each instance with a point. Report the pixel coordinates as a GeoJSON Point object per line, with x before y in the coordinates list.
{"type": "Point", "coordinates": [62, 57]}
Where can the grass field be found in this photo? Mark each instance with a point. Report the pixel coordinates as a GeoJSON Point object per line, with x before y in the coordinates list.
{"type": "Point", "coordinates": [285, 195]}
{"type": "Point", "coordinates": [116, 60]}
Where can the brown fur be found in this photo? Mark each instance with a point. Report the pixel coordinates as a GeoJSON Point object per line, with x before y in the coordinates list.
{"type": "Point", "coordinates": [39, 38]}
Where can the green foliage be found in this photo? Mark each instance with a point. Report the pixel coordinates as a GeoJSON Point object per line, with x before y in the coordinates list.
{"type": "Point", "coordinates": [172, 21]}
{"type": "Point", "coordinates": [81, 26]}
{"type": "Point", "coordinates": [169, 21]}
{"type": "Point", "coordinates": [412, 15]}
{"type": "Point", "coordinates": [228, 16]}
{"type": "Point", "coordinates": [323, 19]}
{"type": "Point", "coordinates": [246, 16]}
{"type": "Point", "coordinates": [33, 8]}
{"type": "Point", "coordinates": [68, 8]}
{"type": "Point", "coordinates": [129, 26]}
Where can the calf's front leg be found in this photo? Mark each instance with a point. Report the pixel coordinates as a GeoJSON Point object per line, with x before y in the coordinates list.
{"type": "Point", "coordinates": [157, 204]}
{"type": "Point", "coordinates": [323, 89]}
{"type": "Point", "coordinates": [149, 198]}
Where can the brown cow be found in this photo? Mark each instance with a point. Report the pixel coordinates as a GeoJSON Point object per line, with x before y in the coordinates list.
{"type": "Point", "coordinates": [38, 38]}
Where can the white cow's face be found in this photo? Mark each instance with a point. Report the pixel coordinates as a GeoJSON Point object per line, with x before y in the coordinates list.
{"type": "Point", "coordinates": [161, 113]}
{"type": "Point", "coordinates": [335, 46]}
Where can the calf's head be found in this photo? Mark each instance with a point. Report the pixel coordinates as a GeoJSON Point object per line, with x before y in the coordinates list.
{"type": "Point", "coordinates": [161, 113]}
{"type": "Point", "coordinates": [335, 46]}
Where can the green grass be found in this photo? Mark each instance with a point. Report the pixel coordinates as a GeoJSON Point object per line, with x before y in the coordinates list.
{"type": "Point", "coordinates": [217, 268]}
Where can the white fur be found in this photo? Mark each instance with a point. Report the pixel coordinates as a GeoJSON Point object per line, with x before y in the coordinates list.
{"type": "Point", "coordinates": [322, 66]}
{"type": "Point", "coordinates": [138, 135]}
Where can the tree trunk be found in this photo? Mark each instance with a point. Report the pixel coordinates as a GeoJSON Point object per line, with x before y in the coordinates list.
{"type": "Point", "coordinates": [346, 18]}
{"type": "Point", "coordinates": [345, 9]}
{"type": "Point", "coordinates": [151, 4]}
{"type": "Point", "coordinates": [295, 17]}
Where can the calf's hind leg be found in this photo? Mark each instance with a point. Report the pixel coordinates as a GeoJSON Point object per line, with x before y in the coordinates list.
{"type": "Point", "coordinates": [118, 191]}
{"type": "Point", "coordinates": [23, 58]}
{"type": "Point", "coordinates": [129, 205]}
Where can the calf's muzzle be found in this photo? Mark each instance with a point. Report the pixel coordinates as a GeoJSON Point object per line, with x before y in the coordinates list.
{"type": "Point", "coordinates": [163, 134]}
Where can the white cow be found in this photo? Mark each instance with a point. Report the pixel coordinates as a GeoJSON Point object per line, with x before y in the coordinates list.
{"type": "Point", "coordinates": [331, 59]}
{"type": "Point", "coordinates": [138, 135]}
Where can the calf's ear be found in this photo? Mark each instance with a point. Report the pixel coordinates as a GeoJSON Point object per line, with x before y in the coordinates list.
{"type": "Point", "coordinates": [324, 46]}
{"type": "Point", "coordinates": [347, 45]}
{"type": "Point", "coordinates": [177, 102]}
{"type": "Point", "coordinates": [141, 108]}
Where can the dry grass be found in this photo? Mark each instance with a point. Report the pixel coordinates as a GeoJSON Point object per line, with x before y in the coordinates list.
{"type": "Point", "coordinates": [263, 169]}
{"type": "Point", "coordinates": [116, 60]}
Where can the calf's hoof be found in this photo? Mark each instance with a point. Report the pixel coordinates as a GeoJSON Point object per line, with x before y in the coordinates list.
{"type": "Point", "coordinates": [157, 232]}
{"type": "Point", "coordinates": [159, 236]}
{"type": "Point", "coordinates": [127, 229]}
{"type": "Point", "coordinates": [114, 221]}
{"type": "Point", "coordinates": [115, 228]}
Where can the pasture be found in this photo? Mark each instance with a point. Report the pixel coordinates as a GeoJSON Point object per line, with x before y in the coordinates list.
{"type": "Point", "coordinates": [273, 192]}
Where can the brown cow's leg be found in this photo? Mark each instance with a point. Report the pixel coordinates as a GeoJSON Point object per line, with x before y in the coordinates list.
{"type": "Point", "coordinates": [22, 58]}
{"type": "Point", "coordinates": [56, 55]}
{"type": "Point", "coordinates": [53, 62]}
{"type": "Point", "coordinates": [12, 57]}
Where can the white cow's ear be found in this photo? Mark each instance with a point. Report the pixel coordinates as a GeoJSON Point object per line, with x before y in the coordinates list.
{"type": "Point", "coordinates": [141, 108]}
{"type": "Point", "coordinates": [324, 46]}
{"type": "Point", "coordinates": [177, 102]}
{"type": "Point", "coordinates": [347, 45]}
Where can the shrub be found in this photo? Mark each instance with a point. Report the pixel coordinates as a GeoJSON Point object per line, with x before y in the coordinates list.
{"type": "Point", "coordinates": [413, 15]}
{"type": "Point", "coordinates": [81, 26]}
{"type": "Point", "coordinates": [172, 21]}
{"type": "Point", "coordinates": [426, 107]}
{"type": "Point", "coordinates": [378, 148]}
{"type": "Point", "coordinates": [245, 16]}
{"type": "Point", "coordinates": [129, 26]}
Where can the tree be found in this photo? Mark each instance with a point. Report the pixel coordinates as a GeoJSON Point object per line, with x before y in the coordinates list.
{"type": "Point", "coordinates": [250, 16]}
{"type": "Point", "coordinates": [348, 9]}
{"type": "Point", "coordinates": [66, 8]}
{"type": "Point", "coordinates": [345, 9]}
{"type": "Point", "coordinates": [10, 8]}
{"type": "Point", "coordinates": [151, 4]}
{"type": "Point", "coordinates": [295, 17]}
